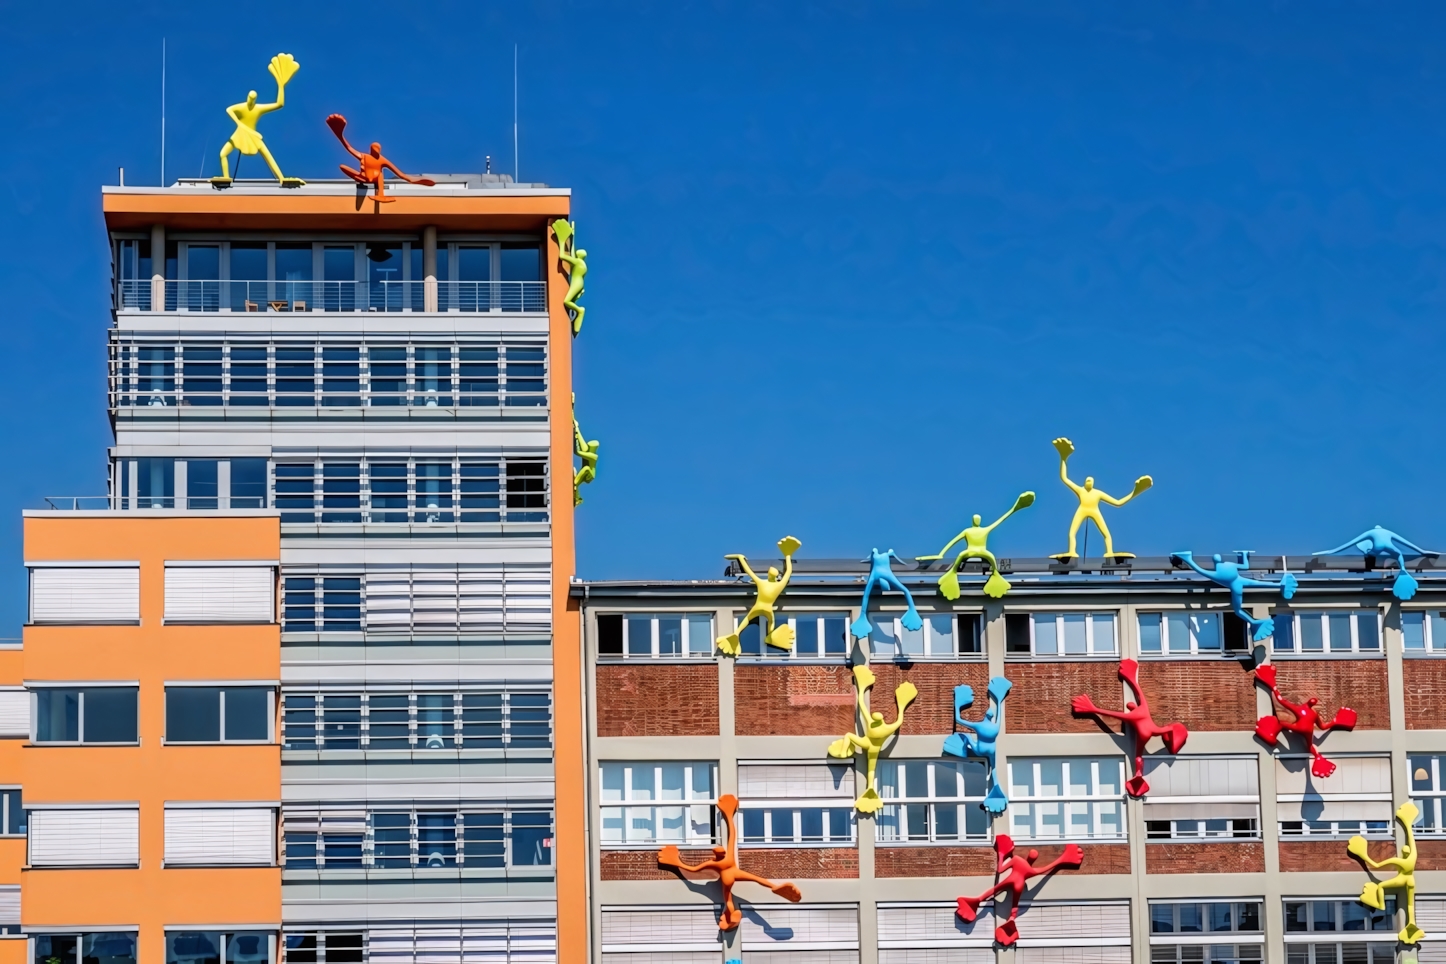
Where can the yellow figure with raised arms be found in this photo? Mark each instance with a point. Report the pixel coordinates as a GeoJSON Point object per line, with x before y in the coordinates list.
{"type": "Point", "coordinates": [769, 589]}
{"type": "Point", "coordinates": [1089, 504]}
{"type": "Point", "coordinates": [246, 138]}
{"type": "Point", "coordinates": [876, 734]}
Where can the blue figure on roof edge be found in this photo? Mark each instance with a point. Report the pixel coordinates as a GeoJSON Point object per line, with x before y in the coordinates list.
{"type": "Point", "coordinates": [1380, 543]}
{"type": "Point", "coordinates": [1231, 576]}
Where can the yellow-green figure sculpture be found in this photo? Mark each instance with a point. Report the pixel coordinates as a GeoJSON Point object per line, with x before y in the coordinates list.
{"type": "Point", "coordinates": [1374, 894]}
{"type": "Point", "coordinates": [876, 734]}
{"type": "Point", "coordinates": [586, 451]}
{"type": "Point", "coordinates": [246, 138]}
{"type": "Point", "coordinates": [1089, 504]}
{"type": "Point", "coordinates": [576, 260]}
{"type": "Point", "coordinates": [976, 546]}
{"type": "Point", "coordinates": [769, 590]}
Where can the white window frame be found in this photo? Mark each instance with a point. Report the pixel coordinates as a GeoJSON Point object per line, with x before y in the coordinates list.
{"type": "Point", "coordinates": [889, 828]}
{"type": "Point", "coordinates": [1297, 616]}
{"type": "Point", "coordinates": [80, 688]}
{"type": "Point", "coordinates": [5, 810]}
{"type": "Point", "coordinates": [226, 933]}
{"type": "Point", "coordinates": [889, 640]}
{"type": "Point", "coordinates": [690, 646]}
{"type": "Point", "coordinates": [362, 824]}
{"type": "Point", "coordinates": [821, 618]}
{"type": "Point", "coordinates": [1157, 800]}
{"type": "Point", "coordinates": [773, 806]}
{"type": "Point", "coordinates": [1169, 620]}
{"type": "Point", "coordinates": [1177, 938]}
{"type": "Point", "coordinates": [271, 704]}
{"type": "Point", "coordinates": [1337, 936]}
{"type": "Point", "coordinates": [1334, 829]}
{"type": "Point", "coordinates": [1059, 617]}
{"type": "Point", "coordinates": [415, 726]}
{"type": "Point", "coordinates": [695, 810]}
{"type": "Point", "coordinates": [1431, 802]}
{"type": "Point", "coordinates": [1424, 622]}
{"type": "Point", "coordinates": [1022, 805]}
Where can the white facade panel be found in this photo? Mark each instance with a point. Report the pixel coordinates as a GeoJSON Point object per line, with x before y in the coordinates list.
{"type": "Point", "coordinates": [220, 594]}
{"type": "Point", "coordinates": [14, 712]}
{"type": "Point", "coordinates": [85, 594]}
{"type": "Point", "coordinates": [221, 837]}
{"type": "Point", "coordinates": [1086, 922]}
{"type": "Point", "coordinates": [933, 926]}
{"type": "Point", "coordinates": [85, 837]}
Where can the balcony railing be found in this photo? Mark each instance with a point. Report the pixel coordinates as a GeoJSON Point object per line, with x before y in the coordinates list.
{"type": "Point", "coordinates": [259, 296]}
{"type": "Point", "coordinates": [125, 503]}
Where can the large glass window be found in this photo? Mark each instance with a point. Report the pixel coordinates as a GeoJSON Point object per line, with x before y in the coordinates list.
{"type": "Point", "coordinates": [1339, 932]}
{"type": "Point", "coordinates": [1356, 799]}
{"type": "Point", "coordinates": [1066, 798]}
{"type": "Point", "coordinates": [248, 483]}
{"type": "Point", "coordinates": [202, 489]}
{"type": "Point", "coordinates": [807, 804]}
{"type": "Point", "coordinates": [104, 947]}
{"type": "Point", "coordinates": [427, 720]}
{"type": "Point", "coordinates": [103, 714]}
{"type": "Point", "coordinates": [1193, 798]}
{"type": "Point", "coordinates": [321, 604]}
{"type": "Point", "coordinates": [1060, 634]}
{"type": "Point", "coordinates": [932, 801]}
{"type": "Point", "coordinates": [644, 804]}
{"type": "Point", "coordinates": [202, 375]}
{"type": "Point", "coordinates": [1423, 632]}
{"type": "Point", "coordinates": [1179, 933]}
{"type": "Point", "coordinates": [12, 813]}
{"type": "Point", "coordinates": [249, 375]}
{"type": "Point", "coordinates": [398, 838]}
{"type": "Point", "coordinates": [1191, 633]}
{"type": "Point", "coordinates": [816, 636]}
{"type": "Point", "coordinates": [1428, 792]}
{"type": "Point", "coordinates": [943, 636]}
{"type": "Point", "coordinates": [648, 635]}
{"type": "Point", "coordinates": [1340, 632]}
{"type": "Point", "coordinates": [218, 714]}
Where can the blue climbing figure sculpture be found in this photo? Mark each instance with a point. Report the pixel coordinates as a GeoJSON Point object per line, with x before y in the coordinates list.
{"type": "Point", "coordinates": [881, 574]}
{"type": "Point", "coordinates": [982, 741]}
{"type": "Point", "coordinates": [1231, 576]}
{"type": "Point", "coordinates": [1379, 543]}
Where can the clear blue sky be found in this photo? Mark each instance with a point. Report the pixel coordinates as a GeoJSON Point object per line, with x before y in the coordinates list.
{"type": "Point", "coordinates": [852, 266]}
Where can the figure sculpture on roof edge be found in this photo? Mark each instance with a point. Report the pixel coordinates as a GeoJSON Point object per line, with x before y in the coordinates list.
{"type": "Point", "coordinates": [976, 546]}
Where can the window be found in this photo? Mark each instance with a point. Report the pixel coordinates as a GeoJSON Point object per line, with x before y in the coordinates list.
{"type": "Point", "coordinates": [218, 714]}
{"type": "Point", "coordinates": [325, 948]}
{"type": "Point", "coordinates": [422, 600]}
{"type": "Point", "coordinates": [1339, 932]}
{"type": "Point", "coordinates": [322, 604]}
{"type": "Point", "coordinates": [816, 636]}
{"type": "Point", "coordinates": [1192, 633]}
{"type": "Point", "coordinates": [1355, 800]}
{"type": "Point", "coordinates": [1427, 792]}
{"type": "Point", "coordinates": [1067, 798]}
{"type": "Point", "coordinates": [659, 935]}
{"type": "Point", "coordinates": [201, 486]}
{"type": "Point", "coordinates": [1420, 632]}
{"type": "Point", "coordinates": [85, 594]}
{"type": "Point", "coordinates": [397, 838]}
{"type": "Point", "coordinates": [103, 714]}
{"type": "Point", "coordinates": [97, 836]}
{"type": "Point", "coordinates": [237, 593]}
{"type": "Point", "coordinates": [219, 836]}
{"type": "Point", "coordinates": [656, 803]}
{"type": "Point", "coordinates": [915, 932]}
{"type": "Point", "coordinates": [796, 803]}
{"type": "Point", "coordinates": [944, 636]}
{"type": "Point", "coordinates": [1206, 933]}
{"type": "Point", "coordinates": [647, 635]}
{"type": "Point", "coordinates": [1202, 797]}
{"type": "Point", "coordinates": [102, 947]}
{"type": "Point", "coordinates": [1060, 634]}
{"type": "Point", "coordinates": [295, 370]}
{"type": "Point", "coordinates": [932, 801]}
{"type": "Point", "coordinates": [398, 490]}
{"type": "Point", "coordinates": [1323, 633]}
{"type": "Point", "coordinates": [526, 490]}
{"type": "Point", "coordinates": [12, 812]}
{"type": "Point", "coordinates": [213, 947]}
{"type": "Point", "coordinates": [445, 720]}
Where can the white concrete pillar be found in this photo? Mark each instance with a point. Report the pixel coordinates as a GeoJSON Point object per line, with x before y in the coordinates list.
{"type": "Point", "coordinates": [429, 268]}
{"type": "Point", "coordinates": [158, 267]}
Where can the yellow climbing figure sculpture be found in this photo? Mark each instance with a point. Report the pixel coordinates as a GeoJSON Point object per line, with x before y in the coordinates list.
{"type": "Point", "coordinates": [1089, 504]}
{"type": "Point", "coordinates": [1374, 894]}
{"type": "Point", "coordinates": [976, 546]}
{"type": "Point", "coordinates": [769, 590]}
{"type": "Point", "coordinates": [576, 259]}
{"type": "Point", "coordinates": [246, 138]}
{"type": "Point", "coordinates": [586, 451]}
{"type": "Point", "coordinates": [876, 734]}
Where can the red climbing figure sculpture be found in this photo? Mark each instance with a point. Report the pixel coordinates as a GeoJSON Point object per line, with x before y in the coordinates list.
{"type": "Point", "coordinates": [1137, 714]}
{"type": "Point", "coordinates": [372, 165]}
{"type": "Point", "coordinates": [725, 865]}
{"type": "Point", "coordinates": [1307, 721]}
{"type": "Point", "coordinates": [1014, 874]}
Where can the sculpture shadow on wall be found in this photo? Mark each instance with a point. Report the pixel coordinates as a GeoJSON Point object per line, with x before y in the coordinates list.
{"type": "Point", "coordinates": [753, 913]}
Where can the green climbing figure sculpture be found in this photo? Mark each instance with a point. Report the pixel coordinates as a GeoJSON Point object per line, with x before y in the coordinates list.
{"type": "Point", "coordinates": [576, 258]}
{"type": "Point", "coordinates": [586, 451]}
{"type": "Point", "coordinates": [976, 546]}
{"type": "Point", "coordinates": [779, 637]}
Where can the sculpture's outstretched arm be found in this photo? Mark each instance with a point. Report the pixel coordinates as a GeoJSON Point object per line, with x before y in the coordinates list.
{"type": "Point", "coordinates": [747, 570]}
{"type": "Point", "coordinates": [947, 546]}
{"type": "Point", "coordinates": [1353, 543]}
{"type": "Point", "coordinates": [579, 443]}
{"type": "Point", "coordinates": [1111, 500]}
{"type": "Point", "coordinates": [1064, 475]}
{"type": "Point", "coordinates": [337, 123]}
{"type": "Point", "coordinates": [406, 177]}
{"type": "Point", "coordinates": [787, 570]}
{"type": "Point", "coordinates": [1415, 548]}
{"type": "Point", "coordinates": [1190, 561]}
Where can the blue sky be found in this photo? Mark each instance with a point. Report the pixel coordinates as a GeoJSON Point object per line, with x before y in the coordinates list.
{"type": "Point", "coordinates": [852, 266]}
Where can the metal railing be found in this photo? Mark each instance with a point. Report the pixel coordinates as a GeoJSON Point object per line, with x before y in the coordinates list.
{"type": "Point", "coordinates": [107, 503]}
{"type": "Point", "coordinates": [285, 296]}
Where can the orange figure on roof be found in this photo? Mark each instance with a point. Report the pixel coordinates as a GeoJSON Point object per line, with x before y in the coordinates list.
{"type": "Point", "coordinates": [725, 865]}
{"type": "Point", "coordinates": [372, 164]}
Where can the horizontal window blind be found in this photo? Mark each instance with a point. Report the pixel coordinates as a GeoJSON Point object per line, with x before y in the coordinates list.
{"type": "Point", "coordinates": [1431, 917]}
{"type": "Point", "coordinates": [932, 926]}
{"type": "Point", "coordinates": [1212, 810]}
{"type": "Point", "coordinates": [1084, 923]}
{"type": "Point", "coordinates": [1183, 776]}
{"type": "Point", "coordinates": [84, 838]}
{"type": "Point", "coordinates": [220, 594]}
{"type": "Point", "coordinates": [663, 957]}
{"type": "Point", "coordinates": [1354, 775]}
{"type": "Point", "coordinates": [85, 594]}
{"type": "Point", "coordinates": [517, 941]}
{"type": "Point", "coordinates": [937, 955]}
{"type": "Point", "coordinates": [10, 905]}
{"type": "Point", "coordinates": [794, 781]}
{"type": "Point", "coordinates": [511, 599]}
{"type": "Point", "coordinates": [676, 931]}
{"type": "Point", "coordinates": [220, 837]}
{"type": "Point", "coordinates": [814, 956]}
{"type": "Point", "coordinates": [1072, 955]}
{"type": "Point", "coordinates": [1334, 809]}
{"type": "Point", "coordinates": [812, 928]}
{"type": "Point", "coordinates": [14, 713]}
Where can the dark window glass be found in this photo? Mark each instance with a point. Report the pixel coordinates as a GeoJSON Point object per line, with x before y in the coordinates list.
{"type": "Point", "coordinates": [203, 374]}
{"type": "Point", "coordinates": [391, 839]}
{"type": "Point", "coordinates": [482, 720]}
{"type": "Point", "coordinates": [526, 492]}
{"type": "Point", "coordinates": [248, 483]}
{"type": "Point", "coordinates": [109, 715]}
{"type": "Point", "coordinates": [341, 492]}
{"type": "Point", "coordinates": [970, 637]}
{"type": "Point", "coordinates": [1162, 918]}
{"type": "Point", "coordinates": [531, 838]}
{"type": "Point", "coordinates": [388, 482]}
{"type": "Point", "coordinates": [341, 718]}
{"type": "Point", "coordinates": [387, 376]}
{"type": "Point", "coordinates": [15, 822]}
{"type": "Point", "coordinates": [203, 262]}
{"type": "Point", "coordinates": [521, 262]}
{"type": "Point", "coordinates": [343, 949]}
{"type": "Point", "coordinates": [193, 947]}
{"type": "Point", "coordinates": [384, 272]}
{"type": "Point", "coordinates": [482, 840]}
{"type": "Point", "coordinates": [248, 276]}
{"type": "Point", "coordinates": [56, 949]}
{"type": "Point", "coordinates": [481, 492]}
{"type": "Point", "coordinates": [247, 716]}
{"type": "Point", "coordinates": [610, 634]}
{"type": "Point", "coordinates": [437, 839]}
{"type": "Point", "coordinates": [531, 719]}
{"type": "Point", "coordinates": [201, 492]}
{"type": "Point", "coordinates": [341, 604]}
{"type": "Point", "coordinates": [300, 948]}
{"type": "Point", "coordinates": [525, 376]}
{"type": "Point", "coordinates": [108, 948]}
{"type": "Point", "coordinates": [436, 721]}
{"type": "Point", "coordinates": [155, 483]}
{"type": "Point", "coordinates": [300, 722]}
{"type": "Point", "coordinates": [249, 369]}
{"type": "Point", "coordinates": [434, 492]}
{"type": "Point", "coordinates": [295, 376]}
{"type": "Point", "coordinates": [432, 377]}
{"type": "Point", "coordinates": [478, 373]}
{"type": "Point", "coordinates": [389, 721]}
{"type": "Point", "coordinates": [298, 604]}
{"type": "Point", "coordinates": [57, 716]}
{"type": "Point", "coordinates": [295, 491]}
{"type": "Point", "coordinates": [193, 714]}
{"type": "Point", "coordinates": [1016, 633]}
{"type": "Point", "coordinates": [253, 948]}
{"type": "Point", "coordinates": [341, 376]}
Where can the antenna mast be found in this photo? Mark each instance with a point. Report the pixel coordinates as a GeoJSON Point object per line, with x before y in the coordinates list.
{"type": "Point", "coordinates": [163, 112]}
{"type": "Point", "coordinates": [514, 114]}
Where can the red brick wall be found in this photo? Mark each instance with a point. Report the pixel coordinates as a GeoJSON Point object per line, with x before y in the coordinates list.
{"type": "Point", "coordinates": [1430, 854]}
{"type": "Point", "coordinates": [1425, 684]}
{"type": "Point", "coordinates": [1216, 695]}
{"type": "Point", "coordinates": [1040, 702]}
{"type": "Point", "coordinates": [934, 862]}
{"type": "Point", "coordinates": [643, 864]}
{"type": "Point", "coordinates": [1319, 856]}
{"type": "Point", "coordinates": [1357, 683]}
{"type": "Point", "coordinates": [1098, 858]}
{"type": "Point", "coordinates": [657, 700]}
{"type": "Point", "coordinates": [793, 700]}
{"type": "Point", "coordinates": [933, 711]}
{"type": "Point", "coordinates": [1205, 858]}
{"type": "Point", "coordinates": [804, 863]}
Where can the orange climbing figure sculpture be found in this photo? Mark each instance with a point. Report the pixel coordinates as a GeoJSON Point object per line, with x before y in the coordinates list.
{"type": "Point", "coordinates": [1137, 714]}
{"type": "Point", "coordinates": [373, 164]}
{"type": "Point", "coordinates": [1307, 721]}
{"type": "Point", "coordinates": [1014, 873]}
{"type": "Point", "coordinates": [725, 865]}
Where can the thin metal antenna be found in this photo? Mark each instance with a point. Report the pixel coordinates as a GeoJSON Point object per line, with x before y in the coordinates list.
{"type": "Point", "coordinates": [163, 112]}
{"type": "Point", "coordinates": [514, 114]}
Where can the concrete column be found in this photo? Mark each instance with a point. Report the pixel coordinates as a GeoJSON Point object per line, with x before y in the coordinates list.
{"type": "Point", "coordinates": [429, 268]}
{"type": "Point", "coordinates": [158, 267]}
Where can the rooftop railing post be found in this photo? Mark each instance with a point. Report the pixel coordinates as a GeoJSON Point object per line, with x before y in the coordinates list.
{"type": "Point", "coordinates": [429, 268]}
{"type": "Point", "coordinates": [158, 267]}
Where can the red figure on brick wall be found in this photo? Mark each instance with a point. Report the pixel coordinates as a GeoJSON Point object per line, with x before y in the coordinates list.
{"type": "Point", "coordinates": [1307, 721]}
{"type": "Point", "coordinates": [1014, 874]}
{"type": "Point", "coordinates": [725, 865]}
{"type": "Point", "coordinates": [1137, 714]}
